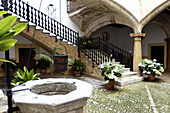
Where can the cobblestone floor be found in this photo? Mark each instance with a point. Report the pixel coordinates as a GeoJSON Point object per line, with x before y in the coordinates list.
{"type": "Point", "coordinates": [98, 86]}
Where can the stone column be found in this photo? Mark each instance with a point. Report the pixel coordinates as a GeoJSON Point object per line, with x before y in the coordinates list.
{"type": "Point", "coordinates": [168, 54]}
{"type": "Point", "coordinates": [137, 52]}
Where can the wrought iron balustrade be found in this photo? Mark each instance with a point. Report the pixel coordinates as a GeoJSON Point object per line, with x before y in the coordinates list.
{"type": "Point", "coordinates": [40, 19]}
{"type": "Point", "coordinates": [100, 51]}
{"type": "Point", "coordinates": [72, 6]}
{"type": "Point", "coordinates": [115, 52]}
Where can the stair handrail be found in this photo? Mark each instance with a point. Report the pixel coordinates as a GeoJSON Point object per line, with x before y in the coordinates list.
{"type": "Point", "coordinates": [42, 20]}
{"type": "Point", "coordinates": [123, 56]}
{"type": "Point", "coordinates": [114, 46]}
{"type": "Point", "coordinates": [96, 55]}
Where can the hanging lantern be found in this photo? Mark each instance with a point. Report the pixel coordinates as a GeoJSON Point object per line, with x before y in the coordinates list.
{"type": "Point", "coordinates": [51, 10]}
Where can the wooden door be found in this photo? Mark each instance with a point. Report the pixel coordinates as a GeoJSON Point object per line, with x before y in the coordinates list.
{"type": "Point", "coordinates": [157, 52]}
{"type": "Point", "coordinates": [23, 58]}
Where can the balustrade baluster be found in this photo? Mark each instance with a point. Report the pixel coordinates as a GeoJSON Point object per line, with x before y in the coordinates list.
{"type": "Point", "coordinates": [55, 28]}
{"type": "Point", "coordinates": [15, 6]}
{"type": "Point", "coordinates": [32, 17]}
{"type": "Point", "coordinates": [63, 31]}
{"type": "Point", "coordinates": [27, 10]}
{"type": "Point", "coordinates": [11, 5]}
{"type": "Point", "coordinates": [35, 16]}
{"type": "Point", "coordinates": [48, 23]}
{"type": "Point", "coordinates": [92, 55]}
{"type": "Point", "coordinates": [42, 20]}
{"type": "Point", "coordinates": [68, 36]}
{"type": "Point", "coordinates": [60, 30]}
{"type": "Point", "coordinates": [19, 7]}
{"type": "Point", "coordinates": [23, 10]}
{"type": "Point", "coordinates": [71, 36]}
{"type": "Point", "coordinates": [45, 16]}
{"type": "Point", "coordinates": [52, 26]}
{"type": "Point", "coordinates": [39, 23]}
{"type": "Point", "coordinates": [96, 55]}
{"type": "Point", "coordinates": [2, 3]}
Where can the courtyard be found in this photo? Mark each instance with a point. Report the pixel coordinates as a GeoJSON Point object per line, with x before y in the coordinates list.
{"type": "Point", "coordinates": [141, 97]}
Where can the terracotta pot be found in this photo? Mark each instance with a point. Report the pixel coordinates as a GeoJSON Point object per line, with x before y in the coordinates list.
{"type": "Point", "coordinates": [77, 73]}
{"type": "Point", "coordinates": [43, 71]}
{"type": "Point", "coordinates": [151, 78]}
{"type": "Point", "coordinates": [110, 85]}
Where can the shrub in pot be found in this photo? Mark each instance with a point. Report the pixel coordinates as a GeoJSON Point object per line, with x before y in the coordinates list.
{"type": "Point", "coordinates": [111, 72]}
{"type": "Point", "coordinates": [44, 61]}
{"type": "Point", "coordinates": [150, 68]}
{"type": "Point", "coordinates": [78, 66]}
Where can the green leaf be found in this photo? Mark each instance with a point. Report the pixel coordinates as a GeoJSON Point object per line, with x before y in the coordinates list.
{"type": "Point", "coordinates": [18, 28]}
{"type": "Point", "coordinates": [7, 44]}
{"type": "Point", "coordinates": [31, 74]}
{"type": "Point", "coordinates": [6, 24]}
{"type": "Point", "coordinates": [3, 12]}
{"type": "Point", "coordinates": [8, 61]}
{"type": "Point", "coordinates": [14, 84]}
{"type": "Point", "coordinates": [25, 69]}
{"type": "Point", "coordinates": [9, 35]}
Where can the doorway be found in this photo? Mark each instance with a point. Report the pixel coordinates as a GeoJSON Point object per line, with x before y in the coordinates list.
{"type": "Point", "coordinates": [158, 51]}
{"type": "Point", "coordinates": [22, 53]}
{"type": "Point", "coordinates": [23, 58]}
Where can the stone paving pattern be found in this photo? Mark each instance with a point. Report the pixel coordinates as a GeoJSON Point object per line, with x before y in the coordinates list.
{"type": "Point", "coordinates": [95, 82]}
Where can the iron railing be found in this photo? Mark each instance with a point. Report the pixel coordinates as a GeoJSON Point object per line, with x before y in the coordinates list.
{"type": "Point", "coordinates": [72, 6]}
{"type": "Point", "coordinates": [113, 51]}
{"type": "Point", "coordinates": [100, 51]}
{"type": "Point", "coordinates": [40, 19]}
{"type": "Point", "coordinates": [96, 55]}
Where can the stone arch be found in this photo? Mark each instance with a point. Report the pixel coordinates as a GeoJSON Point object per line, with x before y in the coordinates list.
{"type": "Point", "coordinates": [127, 18]}
{"type": "Point", "coordinates": [163, 21]}
{"type": "Point", "coordinates": [105, 20]}
{"type": "Point", "coordinates": [154, 13]}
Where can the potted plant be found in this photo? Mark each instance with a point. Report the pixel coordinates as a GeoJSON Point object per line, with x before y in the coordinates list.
{"type": "Point", "coordinates": [78, 66]}
{"type": "Point", "coordinates": [150, 68]}
{"type": "Point", "coordinates": [85, 42]}
{"type": "Point", "coordinates": [24, 76]}
{"type": "Point", "coordinates": [44, 61]}
{"type": "Point", "coordinates": [111, 72]}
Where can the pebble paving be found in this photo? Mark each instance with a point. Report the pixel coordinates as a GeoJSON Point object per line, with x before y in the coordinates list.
{"type": "Point", "coordinates": [131, 98]}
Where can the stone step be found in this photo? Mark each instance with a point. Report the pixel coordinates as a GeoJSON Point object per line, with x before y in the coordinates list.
{"type": "Point", "coordinates": [128, 80]}
{"type": "Point", "coordinates": [126, 69]}
{"type": "Point", "coordinates": [130, 73]}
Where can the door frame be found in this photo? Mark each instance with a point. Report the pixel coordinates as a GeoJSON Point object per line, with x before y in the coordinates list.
{"type": "Point", "coordinates": [165, 51]}
{"type": "Point", "coordinates": [17, 46]}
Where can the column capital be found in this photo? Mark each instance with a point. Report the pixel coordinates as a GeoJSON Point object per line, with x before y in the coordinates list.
{"type": "Point", "coordinates": [137, 34]}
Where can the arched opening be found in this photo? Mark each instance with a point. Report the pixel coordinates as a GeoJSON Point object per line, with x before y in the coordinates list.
{"type": "Point", "coordinates": [116, 34]}
{"type": "Point", "coordinates": [154, 45]}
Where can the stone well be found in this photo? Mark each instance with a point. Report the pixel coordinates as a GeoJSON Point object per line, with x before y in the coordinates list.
{"type": "Point", "coordinates": [52, 96]}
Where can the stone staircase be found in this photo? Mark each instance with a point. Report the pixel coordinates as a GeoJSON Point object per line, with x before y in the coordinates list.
{"type": "Point", "coordinates": [47, 41]}
{"type": "Point", "coordinates": [128, 76]}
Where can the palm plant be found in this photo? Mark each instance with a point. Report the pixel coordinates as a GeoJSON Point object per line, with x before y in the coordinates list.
{"type": "Point", "coordinates": [44, 61]}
